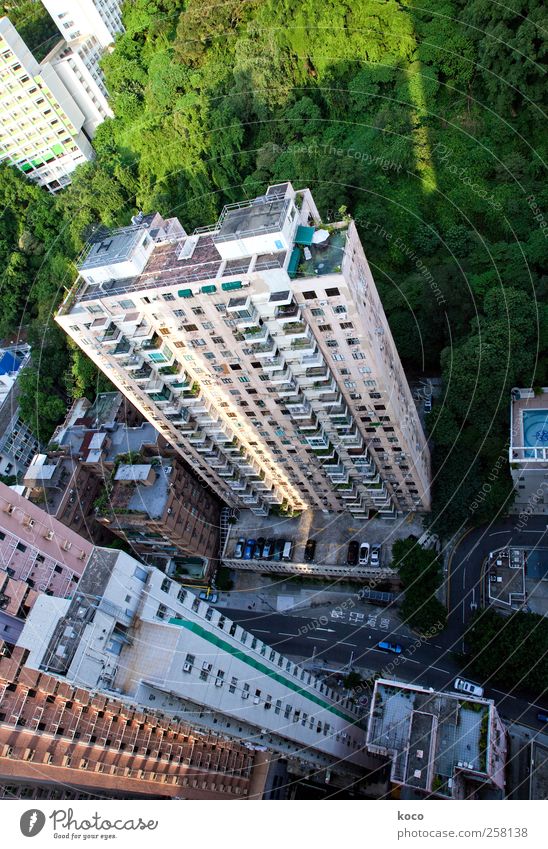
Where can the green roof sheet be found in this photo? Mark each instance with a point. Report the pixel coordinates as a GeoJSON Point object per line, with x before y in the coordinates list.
{"type": "Point", "coordinates": [185, 293]}
{"type": "Point", "coordinates": [304, 235]}
{"type": "Point", "coordinates": [294, 262]}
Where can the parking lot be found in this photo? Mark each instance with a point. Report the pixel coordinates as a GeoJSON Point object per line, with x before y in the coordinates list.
{"type": "Point", "coordinates": [332, 532]}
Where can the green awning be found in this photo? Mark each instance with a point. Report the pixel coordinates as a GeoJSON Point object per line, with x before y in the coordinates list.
{"type": "Point", "coordinates": [229, 287]}
{"type": "Point", "coordinates": [185, 293]}
{"type": "Point", "coordinates": [304, 235]}
{"type": "Point", "coordinates": [294, 262]}
{"type": "Point", "coordinates": [208, 290]}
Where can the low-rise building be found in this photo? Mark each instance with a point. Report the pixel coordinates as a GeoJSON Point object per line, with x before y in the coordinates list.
{"type": "Point", "coordinates": [528, 453]}
{"type": "Point", "coordinates": [439, 744]}
{"type": "Point", "coordinates": [17, 442]}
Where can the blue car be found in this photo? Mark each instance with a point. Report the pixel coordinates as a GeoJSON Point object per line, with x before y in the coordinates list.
{"type": "Point", "coordinates": [248, 550]}
{"type": "Point", "coordinates": [542, 717]}
{"type": "Point", "coordinates": [392, 647]}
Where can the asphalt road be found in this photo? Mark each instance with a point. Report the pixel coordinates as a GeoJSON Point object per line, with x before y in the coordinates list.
{"type": "Point", "coordinates": [429, 663]}
{"type": "Point", "coordinates": [464, 578]}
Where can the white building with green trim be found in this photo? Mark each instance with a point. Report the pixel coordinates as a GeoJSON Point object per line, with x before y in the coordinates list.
{"type": "Point", "coordinates": [41, 126]}
{"type": "Point", "coordinates": [131, 630]}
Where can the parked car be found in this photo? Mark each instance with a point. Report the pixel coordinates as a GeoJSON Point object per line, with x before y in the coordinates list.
{"type": "Point", "coordinates": [239, 550]}
{"type": "Point", "coordinates": [395, 648]}
{"type": "Point", "coordinates": [542, 717]}
{"type": "Point", "coordinates": [258, 549]}
{"type": "Point", "coordinates": [278, 549]}
{"type": "Point", "coordinates": [468, 688]}
{"type": "Point", "coordinates": [364, 553]}
{"type": "Point", "coordinates": [267, 549]}
{"type": "Point", "coordinates": [310, 550]}
{"type": "Point", "coordinates": [428, 405]}
{"type": "Point", "coordinates": [212, 597]}
{"type": "Point", "coordinates": [375, 555]}
{"type": "Point", "coordinates": [353, 552]}
{"type": "Point", "coordinates": [287, 552]}
{"type": "Point", "coordinates": [249, 548]}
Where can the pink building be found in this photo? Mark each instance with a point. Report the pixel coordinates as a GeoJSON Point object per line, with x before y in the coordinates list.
{"type": "Point", "coordinates": [38, 549]}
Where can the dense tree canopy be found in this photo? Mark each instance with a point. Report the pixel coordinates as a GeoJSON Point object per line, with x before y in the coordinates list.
{"type": "Point", "coordinates": [423, 119]}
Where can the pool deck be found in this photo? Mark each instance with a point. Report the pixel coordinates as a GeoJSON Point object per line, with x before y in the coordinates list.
{"type": "Point", "coordinates": [519, 450]}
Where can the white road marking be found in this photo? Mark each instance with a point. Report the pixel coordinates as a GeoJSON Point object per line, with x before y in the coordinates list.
{"type": "Point", "coordinates": [282, 634]}
{"type": "Point", "coordinates": [320, 639]}
{"type": "Point", "coordinates": [258, 631]}
{"type": "Point", "coordinates": [506, 695]}
{"type": "Point", "coordinates": [348, 644]}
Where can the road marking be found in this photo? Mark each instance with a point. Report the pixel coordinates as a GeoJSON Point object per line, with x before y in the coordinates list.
{"type": "Point", "coordinates": [506, 695]}
{"type": "Point", "coordinates": [348, 644]}
{"type": "Point", "coordinates": [320, 639]}
{"type": "Point", "coordinates": [330, 630]}
{"type": "Point", "coordinates": [282, 634]}
{"type": "Point", "coordinates": [258, 631]}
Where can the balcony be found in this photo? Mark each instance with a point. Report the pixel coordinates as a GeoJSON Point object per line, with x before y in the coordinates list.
{"type": "Point", "coordinates": [132, 363]}
{"type": "Point", "coordinates": [273, 364]}
{"type": "Point", "coordinates": [266, 349]}
{"type": "Point", "coordinates": [111, 335]}
{"type": "Point", "coordinates": [255, 334]}
{"type": "Point", "coordinates": [197, 437]}
{"type": "Point", "coordinates": [143, 373]}
{"type": "Point", "coordinates": [296, 329]}
{"type": "Point", "coordinates": [288, 312]}
{"type": "Point", "coordinates": [301, 411]}
{"type": "Point", "coordinates": [122, 348]}
{"type": "Point", "coordinates": [153, 343]}
{"type": "Point", "coordinates": [306, 344]}
{"type": "Point", "coordinates": [288, 389]}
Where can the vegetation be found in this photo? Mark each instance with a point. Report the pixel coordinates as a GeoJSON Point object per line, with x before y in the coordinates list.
{"type": "Point", "coordinates": [420, 119]}
{"type": "Point", "coordinates": [33, 23]}
{"type": "Point", "coordinates": [510, 650]}
{"type": "Point", "coordinates": [223, 581]}
{"type": "Point", "coordinates": [421, 576]}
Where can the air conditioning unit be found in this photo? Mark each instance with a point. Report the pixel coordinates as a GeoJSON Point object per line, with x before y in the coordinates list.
{"type": "Point", "coordinates": [49, 535]}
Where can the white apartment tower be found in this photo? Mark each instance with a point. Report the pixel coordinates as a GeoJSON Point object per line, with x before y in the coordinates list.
{"type": "Point", "coordinates": [100, 19]}
{"type": "Point", "coordinates": [260, 349]}
{"type": "Point", "coordinates": [41, 126]}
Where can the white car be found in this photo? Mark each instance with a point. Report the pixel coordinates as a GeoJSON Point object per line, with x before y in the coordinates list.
{"type": "Point", "coordinates": [468, 688]}
{"type": "Point", "coordinates": [375, 555]}
{"type": "Point", "coordinates": [364, 554]}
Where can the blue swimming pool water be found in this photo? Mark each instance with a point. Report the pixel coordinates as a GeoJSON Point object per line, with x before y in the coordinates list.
{"type": "Point", "coordinates": [535, 428]}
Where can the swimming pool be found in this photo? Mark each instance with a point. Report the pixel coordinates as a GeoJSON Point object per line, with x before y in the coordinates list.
{"type": "Point", "coordinates": [535, 428]}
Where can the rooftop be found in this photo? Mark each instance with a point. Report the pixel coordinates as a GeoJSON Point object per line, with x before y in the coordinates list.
{"type": "Point", "coordinates": [529, 428]}
{"type": "Point", "coordinates": [506, 577]}
{"type": "Point", "coordinates": [260, 215]}
{"type": "Point", "coordinates": [430, 735]}
{"type": "Point", "coordinates": [115, 247]}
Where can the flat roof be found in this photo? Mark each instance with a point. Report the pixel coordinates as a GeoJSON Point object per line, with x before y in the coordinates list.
{"type": "Point", "coordinates": [113, 247]}
{"type": "Point", "coordinates": [260, 214]}
{"type": "Point", "coordinates": [137, 472]}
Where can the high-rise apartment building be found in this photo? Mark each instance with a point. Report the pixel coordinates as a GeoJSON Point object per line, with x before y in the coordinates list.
{"type": "Point", "coordinates": [132, 631]}
{"type": "Point", "coordinates": [41, 125]}
{"type": "Point", "coordinates": [63, 741]}
{"type": "Point", "coordinates": [260, 348]}
{"type": "Point", "coordinates": [100, 19]}
{"type": "Point", "coordinates": [17, 442]}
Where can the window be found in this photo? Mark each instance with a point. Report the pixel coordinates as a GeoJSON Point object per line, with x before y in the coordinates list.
{"type": "Point", "coordinates": [310, 295]}
{"type": "Point", "coordinates": [179, 313]}
{"type": "Point", "coordinates": [317, 311]}
{"type": "Point", "coordinates": [337, 357]}
{"type": "Point", "coordinates": [220, 307]}
{"type": "Point", "coordinates": [181, 595]}
{"type": "Point", "coordinates": [352, 340]}
{"type": "Point", "coordinates": [190, 328]}
{"type": "Point", "coordinates": [206, 669]}
{"type": "Point", "coordinates": [324, 328]}
{"type": "Point", "coordinates": [338, 310]}
{"type": "Point", "coordinates": [21, 547]}
{"type": "Point", "coordinates": [168, 296]}
{"type": "Point", "coordinates": [332, 293]}
{"type": "Point", "coordinates": [346, 325]}
{"type": "Point", "coordinates": [166, 585]}
{"type": "Point", "coordinates": [141, 574]}
{"type": "Point", "coordinates": [359, 355]}
{"type": "Point", "coordinates": [198, 310]}
{"type": "Point", "coordinates": [162, 611]}
{"type": "Point", "coordinates": [245, 691]}
{"type": "Point", "coordinates": [243, 379]}
{"type": "Point", "coordinates": [195, 604]}
{"type": "Point", "coordinates": [233, 685]}
{"type": "Point", "coordinates": [189, 663]}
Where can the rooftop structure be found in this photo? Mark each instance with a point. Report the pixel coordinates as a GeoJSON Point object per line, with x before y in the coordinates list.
{"type": "Point", "coordinates": [441, 744]}
{"type": "Point", "coordinates": [132, 631]}
{"type": "Point", "coordinates": [41, 125]}
{"type": "Point", "coordinates": [505, 575]}
{"type": "Point", "coordinates": [260, 349]}
{"type": "Point", "coordinates": [54, 735]}
{"type": "Point", "coordinates": [528, 453]}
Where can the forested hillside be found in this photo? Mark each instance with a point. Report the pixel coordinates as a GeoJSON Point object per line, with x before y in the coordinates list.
{"type": "Point", "coordinates": [423, 119]}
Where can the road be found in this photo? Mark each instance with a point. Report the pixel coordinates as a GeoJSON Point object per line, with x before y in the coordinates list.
{"type": "Point", "coordinates": [426, 663]}
{"type": "Point", "coordinates": [464, 578]}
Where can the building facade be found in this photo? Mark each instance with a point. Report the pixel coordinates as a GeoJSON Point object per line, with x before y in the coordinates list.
{"type": "Point", "coordinates": [17, 442]}
{"type": "Point", "coordinates": [41, 126]}
{"type": "Point", "coordinates": [528, 453]}
{"type": "Point", "coordinates": [133, 631]}
{"type": "Point", "coordinates": [100, 19]}
{"type": "Point", "coordinates": [259, 347]}
{"type": "Point", "coordinates": [439, 744]}
{"type": "Point", "coordinates": [63, 741]}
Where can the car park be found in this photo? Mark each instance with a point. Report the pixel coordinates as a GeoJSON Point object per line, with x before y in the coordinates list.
{"type": "Point", "coordinates": [375, 555]}
{"type": "Point", "coordinates": [249, 548]}
{"type": "Point", "coordinates": [353, 552]}
{"type": "Point", "coordinates": [267, 549]}
{"type": "Point", "coordinates": [468, 688]}
{"type": "Point", "coordinates": [278, 549]}
{"type": "Point", "coordinates": [364, 554]}
{"type": "Point", "coordinates": [395, 648]}
{"type": "Point", "coordinates": [239, 550]}
{"type": "Point", "coordinates": [258, 549]}
{"type": "Point", "coordinates": [310, 550]}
